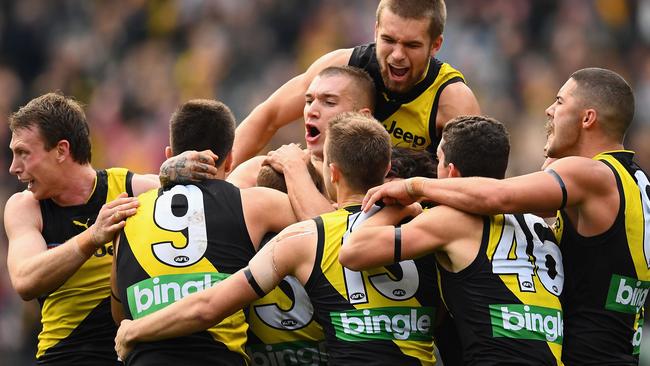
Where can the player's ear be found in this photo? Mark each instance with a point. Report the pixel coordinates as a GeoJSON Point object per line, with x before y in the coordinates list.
{"type": "Point", "coordinates": [453, 171]}
{"type": "Point", "coordinates": [168, 152]}
{"type": "Point", "coordinates": [335, 173]}
{"type": "Point", "coordinates": [227, 165]}
{"type": "Point", "coordinates": [435, 45]}
{"type": "Point", "coordinates": [62, 150]}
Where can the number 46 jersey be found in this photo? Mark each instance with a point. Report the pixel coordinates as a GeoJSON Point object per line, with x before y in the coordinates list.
{"type": "Point", "coordinates": [506, 302]}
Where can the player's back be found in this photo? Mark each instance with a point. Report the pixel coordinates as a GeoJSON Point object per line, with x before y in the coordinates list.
{"type": "Point", "coordinates": [505, 303]}
{"type": "Point", "coordinates": [383, 316]}
{"type": "Point", "coordinates": [184, 240]}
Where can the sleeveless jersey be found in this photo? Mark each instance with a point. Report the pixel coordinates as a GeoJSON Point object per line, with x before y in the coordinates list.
{"type": "Point", "coordinates": [183, 240]}
{"type": "Point", "coordinates": [607, 275]}
{"type": "Point", "coordinates": [282, 329]}
{"type": "Point", "coordinates": [383, 316]}
{"type": "Point", "coordinates": [78, 328]}
{"type": "Point", "coordinates": [409, 118]}
{"type": "Point", "coordinates": [506, 303]}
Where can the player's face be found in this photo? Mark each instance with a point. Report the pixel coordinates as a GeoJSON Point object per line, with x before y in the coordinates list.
{"type": "Point", "coordinates": [403, 50]}
{"type": "Point", "coordinates": [563, 126]}
{"type": "Point", "coordinates": [31, 163]}
{"type": "Point", "coordinates": [325, 98]}
{"type": "Point", "coordinates": [443, 171]}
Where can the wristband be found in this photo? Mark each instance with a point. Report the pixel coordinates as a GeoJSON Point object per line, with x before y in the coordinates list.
{"type": "Point", "coordinates": [398, 245]}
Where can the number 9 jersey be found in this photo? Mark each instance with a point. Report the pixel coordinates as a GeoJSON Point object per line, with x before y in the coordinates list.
{"type": "Point", "coordinates": [184, 240]}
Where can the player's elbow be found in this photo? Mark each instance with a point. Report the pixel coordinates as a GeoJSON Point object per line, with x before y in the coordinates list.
{"type": "Point", "coordinates": [26, 290]}
{"type": "Point", "coordinates": [204, 313]}
{"type": "Point", "coordinates": [349, 257]}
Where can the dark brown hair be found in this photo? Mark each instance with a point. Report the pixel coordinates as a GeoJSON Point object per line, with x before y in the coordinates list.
{"type": "Point", "coordinates": [56, 118]}
{"type": "Point", "coordinates": [202, 124]}
{"type": "Point", "coordinates": [609, 94]}
{"type": "Point", "coordinates": [477, 145]}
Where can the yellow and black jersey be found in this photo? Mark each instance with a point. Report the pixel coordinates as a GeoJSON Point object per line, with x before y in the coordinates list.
{"type": "Point", "coordinates": [409, 118]}
{"type": "Point", "coordinates": [77, 325]}
{"type": "Point", "coordinates": [506, 303]}
{"type": "Point", "coordinates": [183, 240]}
{"type": "Point", "coordinates": [382, 316]}
{"type": "Point", "coordinates": [282, 329]}
{"type": "Point", "coordinates": [608, 275]}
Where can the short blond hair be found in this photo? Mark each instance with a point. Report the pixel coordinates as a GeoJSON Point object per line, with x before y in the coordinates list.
{"type": "Point", "coordinates": [360, 146]}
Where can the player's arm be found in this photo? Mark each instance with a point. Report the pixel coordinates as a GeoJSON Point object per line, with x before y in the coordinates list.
{"type": "Point", "coordinates": [306, 200]}
{"type": "Point", "coordinates": [372, 246]}
{"type": "Point", "coordinates": [194, 313]}
{"type": "Point", "coordinates": [574, 181]}
{"type": "Point", "coordinates": [141, 183]}
{"type": "Point", "coordinates": [455, 100]}
{"type": "Point", "coordinates": [282, 107]}
{"type": "Point", "coordinates": [266, 210]}
{"type": "Point", "coordinates": [245, 174]}
{"type": "Point", "coordinates": [34, 270]}
{"type": "Point", "coordinates": [284, 255]}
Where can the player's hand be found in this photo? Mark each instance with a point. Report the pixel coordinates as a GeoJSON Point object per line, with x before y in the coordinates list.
{"type": "Point", "coordinates": [189, 166]}
{"type": "Point", "coordinates": [123, 345]}
{"type": "Point", "coordinates": [287, 157]}
{"type": "Point", "coordinates": [112, 218]}
{"type": "Point", "coordinates": [391, 193]}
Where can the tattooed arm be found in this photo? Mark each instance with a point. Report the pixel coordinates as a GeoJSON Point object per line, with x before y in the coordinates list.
{"type": "Point", "coordinates": [189, 166]}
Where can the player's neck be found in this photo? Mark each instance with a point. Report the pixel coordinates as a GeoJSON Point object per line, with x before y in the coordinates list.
{"type": "Point", "coordinates": [598, 144]}
{"type": "Point", "coordinates": [77, 185]}
{"type": "Point", "coordinates": [346, 197]}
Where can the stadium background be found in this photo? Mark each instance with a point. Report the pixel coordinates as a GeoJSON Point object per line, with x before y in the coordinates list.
{"type": "Point", "coordinates": [131, 62]}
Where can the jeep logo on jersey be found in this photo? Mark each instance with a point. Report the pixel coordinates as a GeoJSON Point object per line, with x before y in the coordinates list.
{"type": "Point", "coordinates": [626, 295]}
{"type": "Point", "coordinates": [390, 323]}
{"type": "Point", "coordinates": [527, 322]}
{"type": "Point", "coordinates": [181, 259]}
{"type": "Point", "coordinates": [410, 138]}
{"type": "Point", "coordinates": [155, 293]}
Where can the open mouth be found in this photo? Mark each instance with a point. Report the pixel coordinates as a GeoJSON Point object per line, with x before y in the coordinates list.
{"type": "Point", "coordinates": [398, 72]}
{"type": "Point", "coordinates": [28, 182]}
{"type": "Point", "coordinates": [311, 132]}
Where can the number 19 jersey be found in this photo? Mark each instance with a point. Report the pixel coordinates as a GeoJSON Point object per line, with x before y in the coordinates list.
{"type": "Point", "coordinates": [382, 316]}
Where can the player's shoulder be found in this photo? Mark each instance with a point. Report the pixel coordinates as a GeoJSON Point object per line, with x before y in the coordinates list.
{"type": "Point", "coordinates": [23, 200]}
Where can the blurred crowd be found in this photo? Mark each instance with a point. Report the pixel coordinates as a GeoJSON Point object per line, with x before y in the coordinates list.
{"type": "Point", "coordinates": [131, 62]}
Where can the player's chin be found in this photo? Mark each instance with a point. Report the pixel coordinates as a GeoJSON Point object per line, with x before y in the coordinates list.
{"type": "Point", "coordinates": [399, 86]}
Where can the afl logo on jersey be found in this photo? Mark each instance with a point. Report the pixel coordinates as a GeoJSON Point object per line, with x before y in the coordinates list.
{"type": "Point", "coordinates": [357, 296]}
{"type": "Point", "coordinates": [399, 292]}
{"type": "Point", "coordinates": [181, 259]}
{"type": "Point", "coordinates": [288, 323]}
